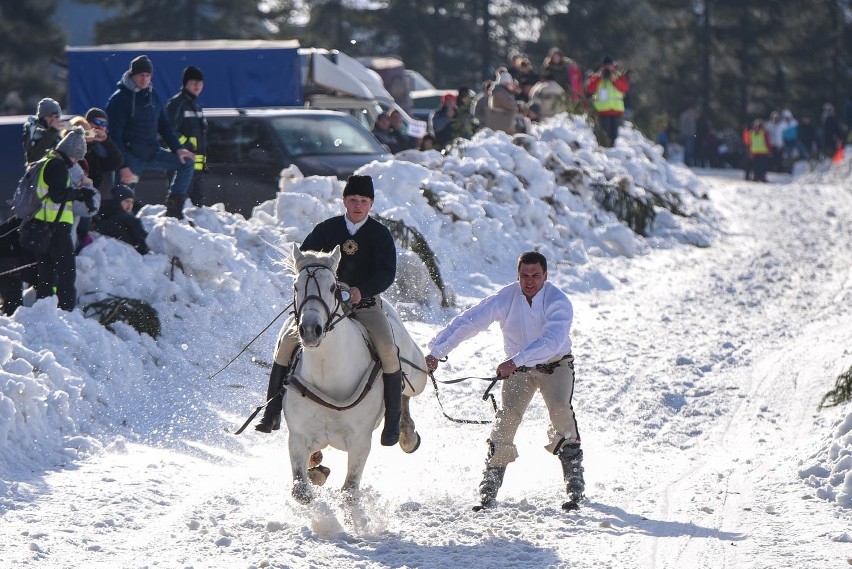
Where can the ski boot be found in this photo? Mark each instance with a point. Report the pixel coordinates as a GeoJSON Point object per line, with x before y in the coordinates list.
{"type": "Point", "coordinates": [571, 457]}
{"type": "Point", "coordinates": [492, 479]}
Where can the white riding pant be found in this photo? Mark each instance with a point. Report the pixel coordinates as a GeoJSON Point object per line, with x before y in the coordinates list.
{"type": "Point", "coordinates": [517, 391]}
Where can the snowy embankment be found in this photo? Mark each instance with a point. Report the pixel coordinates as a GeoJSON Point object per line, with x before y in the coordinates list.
{"type": "Point", "coordinates": [699, 421]}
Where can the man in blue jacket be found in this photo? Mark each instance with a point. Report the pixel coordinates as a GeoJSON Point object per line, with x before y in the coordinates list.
{"type": "Point", "coordinates": [136, 118]}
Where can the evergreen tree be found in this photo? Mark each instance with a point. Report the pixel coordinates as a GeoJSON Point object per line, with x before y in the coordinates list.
{"type": "Point", "coordinates": [171, 20]}
{"type": "Point", "coordinates": [29, 45]}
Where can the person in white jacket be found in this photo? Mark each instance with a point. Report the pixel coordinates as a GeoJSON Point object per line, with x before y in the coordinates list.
{"type": "Point", "coordinates": [535, 317]}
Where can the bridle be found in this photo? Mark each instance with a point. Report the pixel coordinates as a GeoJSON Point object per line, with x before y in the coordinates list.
{"type": "Point", "coordinates": [333, 315]}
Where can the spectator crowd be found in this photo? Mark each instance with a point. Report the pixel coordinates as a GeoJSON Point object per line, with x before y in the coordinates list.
{"type": "Point", "coordinates": [520, 95]}
{"type": "Point", "coordinates": [83, 171]}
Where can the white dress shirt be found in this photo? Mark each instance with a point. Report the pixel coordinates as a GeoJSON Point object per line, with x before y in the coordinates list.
{"type": "Point", "coordinates": [532, 333]}
{"type": "Point", "coordinates": [353, 227]}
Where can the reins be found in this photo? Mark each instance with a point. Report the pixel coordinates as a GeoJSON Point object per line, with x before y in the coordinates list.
{"type": "Point", "coordinates": [249, 344]}
{"type": "Point", "coordinates": [485, 396]}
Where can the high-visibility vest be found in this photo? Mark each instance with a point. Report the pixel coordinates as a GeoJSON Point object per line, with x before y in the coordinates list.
{"type": "Point", "coordinates": [200, 159]}
{"type": "Point", "coordinates": [607, 97]}
{"type": "Point", "coordinates": [757, 143]}
{"type": "Point", "coordinates": [50, 209]}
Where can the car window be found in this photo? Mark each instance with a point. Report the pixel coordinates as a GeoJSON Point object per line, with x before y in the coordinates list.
{"type": "Point", "coordinates": [221, 139]}
{"type": "Point", "coordinates": [323, 135]}
{"type": "Point", "coordinates": [239, 139]}
{"type": "Point", "coordinates": [255, 141]}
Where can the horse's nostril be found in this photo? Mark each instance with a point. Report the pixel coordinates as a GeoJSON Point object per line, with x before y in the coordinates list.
{"type": "Point", "coordinates": [318, 330]}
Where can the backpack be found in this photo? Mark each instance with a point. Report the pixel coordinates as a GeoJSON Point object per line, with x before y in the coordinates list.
{"type": "Point", "coordinates": [25, 202]}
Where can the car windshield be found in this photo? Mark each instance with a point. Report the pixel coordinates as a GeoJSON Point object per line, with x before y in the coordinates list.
{"type": "Point", "coordinates": [323, 135]}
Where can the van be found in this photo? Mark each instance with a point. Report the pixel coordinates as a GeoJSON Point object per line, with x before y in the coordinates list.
{"type": "Point", "coordinates": [248, 148]}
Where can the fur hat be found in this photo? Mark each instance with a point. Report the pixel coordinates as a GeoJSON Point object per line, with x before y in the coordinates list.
{"type": "Point", "coordinates": [192, 73]}
{"type": "Point", "coordinates": [74, 144]}
{"type": "Point", "coordinates": [359, 186]}
{"type": "Point", "coordinates": [47, 107]}
{"type": "Point", "coordinates": [121, 192]}
{"type": "Point", "coordinates": [141, 65]}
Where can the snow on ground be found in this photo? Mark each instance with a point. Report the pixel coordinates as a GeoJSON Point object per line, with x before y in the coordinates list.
{"type": "Point", "coordinates": [702, 353]}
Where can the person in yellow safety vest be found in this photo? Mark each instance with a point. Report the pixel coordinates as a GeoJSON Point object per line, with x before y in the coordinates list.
{"type": "Point", "coordinates": [57, 269]}
{"type": "Point", "coordinates": [607, 88]}
{"type": "Point", "coordinates": [187, 117]}
{"type": "Point", "coordinates": [758, 150]}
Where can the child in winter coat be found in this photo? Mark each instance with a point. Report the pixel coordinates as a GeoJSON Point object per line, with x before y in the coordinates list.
{"type": "Point", "coordinates": [116, 219]}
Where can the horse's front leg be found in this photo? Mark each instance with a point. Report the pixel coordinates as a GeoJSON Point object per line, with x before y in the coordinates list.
{"type": "Point", "coordinates": [409, 439]}
{"type": "Point", "coordinates": [299, 452]}
{"type": "Point", "coordinates": [357, 453]}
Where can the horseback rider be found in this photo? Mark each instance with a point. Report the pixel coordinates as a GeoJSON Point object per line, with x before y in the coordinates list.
{"type": "Point", "coordinates": [535, 317]}
{"type": "Point", "coordinates": [368, 267]}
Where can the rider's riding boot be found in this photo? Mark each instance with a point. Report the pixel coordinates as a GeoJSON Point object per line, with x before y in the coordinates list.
{"type": "Point", "coordinates": [393, 407]}
{"type": "Point", "coordinates": [492, 479]}
{"type": "Point", "coordinates": [271, 420]}
{"type": "Point", "coordinates": [571, 457]}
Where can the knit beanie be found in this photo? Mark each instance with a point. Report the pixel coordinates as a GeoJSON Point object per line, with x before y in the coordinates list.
{"type": "Point", "coordinates": [47, 107]}
{"type": "Point", "coordinates": [192, 73]}
{"type": "Point", "coordinates": [121, 192]}
{"type": "Point", "coordinates": [359, 186]}
{"type": "Point", "coordinates": [141, 65]}
{"type": "Point", "coordinates": [74, 144]}
{"type": "Point", "coordinates": [95, 113]}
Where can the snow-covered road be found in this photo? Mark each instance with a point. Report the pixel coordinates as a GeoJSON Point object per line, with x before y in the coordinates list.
{"type": "Point", "coordinates": [698, 380]}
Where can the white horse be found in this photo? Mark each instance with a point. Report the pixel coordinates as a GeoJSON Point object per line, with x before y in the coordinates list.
{"type": "Point", "coordinates": [335, 397]}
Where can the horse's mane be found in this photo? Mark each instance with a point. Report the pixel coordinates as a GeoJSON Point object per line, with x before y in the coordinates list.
{"type": "Point", "coordinates": [309, 258]}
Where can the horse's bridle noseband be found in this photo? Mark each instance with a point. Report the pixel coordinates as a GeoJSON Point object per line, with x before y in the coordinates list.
{"type": "Point", "coordinates": [338, 297]}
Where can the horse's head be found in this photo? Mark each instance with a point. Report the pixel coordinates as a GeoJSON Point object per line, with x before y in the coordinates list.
{"type": "Point", "coordinates": [316, 294]}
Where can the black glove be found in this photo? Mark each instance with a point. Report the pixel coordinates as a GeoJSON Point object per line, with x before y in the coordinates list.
{"type": "Point", "coordinates": [87, 196]}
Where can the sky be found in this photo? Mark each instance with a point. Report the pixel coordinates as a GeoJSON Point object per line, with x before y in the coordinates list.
{"type": "Point", "coordinates": [702, 352]}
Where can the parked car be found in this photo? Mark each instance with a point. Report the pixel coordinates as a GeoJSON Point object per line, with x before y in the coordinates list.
{"type": "Point", "coordinates": [248, 148]}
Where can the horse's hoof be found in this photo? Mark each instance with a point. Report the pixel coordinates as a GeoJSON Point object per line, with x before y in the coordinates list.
{"type": "Point", "coordinates": [302, 494]}
{"type": "Point", "coordinates": [416, 444]}
{"type": "Point", "coordinates": [315, 460]}
{"type": "Point", "coordinates": [318, 475]}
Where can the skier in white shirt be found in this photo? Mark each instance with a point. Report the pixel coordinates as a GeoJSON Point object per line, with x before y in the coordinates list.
{"type": "Point", "coordinates": [535, 317]}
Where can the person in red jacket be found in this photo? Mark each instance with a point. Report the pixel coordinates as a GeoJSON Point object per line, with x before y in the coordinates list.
{"type": "Point", "coordinates": [757, 144]}
{"type": "Point", "coordinates": [607, 88]}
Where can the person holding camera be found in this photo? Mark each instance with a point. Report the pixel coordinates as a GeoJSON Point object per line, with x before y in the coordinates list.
{"type": "Point", "coordinates": [607, 87]}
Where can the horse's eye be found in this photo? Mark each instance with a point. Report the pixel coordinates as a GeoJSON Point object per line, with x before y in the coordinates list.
{"type": "Point", "coordinates": [333, 289]}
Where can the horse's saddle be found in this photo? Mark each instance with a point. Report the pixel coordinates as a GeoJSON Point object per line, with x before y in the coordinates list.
{"type": "Point", "coordinates": [411, 357]}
